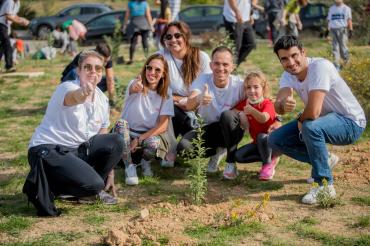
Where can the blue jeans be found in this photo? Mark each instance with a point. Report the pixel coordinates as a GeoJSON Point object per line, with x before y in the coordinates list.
{"type": "Point", "coordinates": [310, 145]}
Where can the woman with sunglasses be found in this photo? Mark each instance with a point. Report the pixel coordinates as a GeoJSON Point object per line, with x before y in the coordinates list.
{"type": "Point", "coordinates": [147, 110]}
{"type": "Point", "coordinates": [71, 146]}
{"type": "Point", "coordinates": [185, 64]}
{"type": "Point", "coordinates": [138, 22]}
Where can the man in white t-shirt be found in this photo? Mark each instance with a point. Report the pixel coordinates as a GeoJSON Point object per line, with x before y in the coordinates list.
{"type": "Point", "coordinates": [331, 113]}
{"type": "Point", "coordinates": [237, 19]}
{"type": "Point", "coordinates": [340, 27]}
{"type": "Point", "coordinates": [8, 15]}
{"type": "Point", "coordinates": [214, 95]}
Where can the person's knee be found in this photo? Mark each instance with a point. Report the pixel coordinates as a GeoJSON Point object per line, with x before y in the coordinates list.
{"type": "Point", "coordinates": [310, 127]}
{"type": "Point", "coordinates": [273, 141]}
{"type": "Point", "coordinates": [118, 142]}
{"type": "Point", "coordinates": [94, 186]}
{"type": "Point", "coordinates": [228, 116]}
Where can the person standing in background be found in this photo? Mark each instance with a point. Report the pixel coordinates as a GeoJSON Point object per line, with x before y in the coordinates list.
{"type": "Point", "coordinates": [290, 21]}
{"type": "Point", "coordinates": [175, 6]}
{"type": "Point", "coordinates": [8, 15]}
{"type": "Point", "coordinates": [340, 28]}
{"type": "Point", "coordinates": [274, 10]}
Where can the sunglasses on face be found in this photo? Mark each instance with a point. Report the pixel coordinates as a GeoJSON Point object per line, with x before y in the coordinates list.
{"type": "Point", "coordinates": [89, 68]}
{"type": "Point", "coordinates": [149, 68]}
{"type": "Point", "coordinates": [177, 35]}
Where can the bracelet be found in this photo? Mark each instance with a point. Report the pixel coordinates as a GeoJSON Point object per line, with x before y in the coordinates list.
{"type": "Point", "coordinates": [298, 118]}
{"type": "Point", "coordinates": [279, 118]}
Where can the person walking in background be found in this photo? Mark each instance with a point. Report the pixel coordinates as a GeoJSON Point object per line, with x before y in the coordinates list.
{"type": "Point", "coordinates": [175, 6]}
{"type": "Point", "coordinates": [8, 14]}
{"type": "Point", "coordinates": [274, 10]}
{"type": "Point", "coordinates": [237, 19]}
{"type": "Point", "coordinates": [138, 22]}
{"type": "Point", "coordinates": [290, 22]}
{"type": "Point", "coordinates": [340, 28]}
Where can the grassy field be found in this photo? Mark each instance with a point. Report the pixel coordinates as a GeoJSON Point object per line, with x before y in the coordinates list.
{"type": "Point", "coordinates": [241, 212]}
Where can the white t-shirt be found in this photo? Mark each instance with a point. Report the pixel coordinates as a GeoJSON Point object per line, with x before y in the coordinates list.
{"type": "Point", "coordinates": [322, 75]}
{"type": "Point", "coordinates": [223, 98]}
{"type": "Point", "coordinates": [177, 84]}
{"type": "Point", "coordinates": [338, 16]}
{"type": "Point", "coordinates": [11, 8]}
{"type": "Point", "coordinates": [71, 126]}
{"type": "Point", "coordinates": [244, 7]}
{"type": "Point", "coordinates": [141, 111]}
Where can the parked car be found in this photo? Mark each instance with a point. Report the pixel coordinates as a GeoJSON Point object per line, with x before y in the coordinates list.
{"type": "Point", "coordinates": [203, 18]}
{"type": "Point", "coordinates": [42, 26]}
{"type": "Point", "coordinates": [209, 18]}
{"type": "Point", "coordinates": [104, 25]}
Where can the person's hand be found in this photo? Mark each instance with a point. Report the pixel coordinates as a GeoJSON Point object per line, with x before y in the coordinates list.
{"type": "Point", "coordinates": [350, 33]}
{"type": "Point", "coordinates": [24, 22]}
{"type": "Point", "coordinates": [299, 125]}
{"type": "Point", "coordinates": [238, 17]}
{"type": "Point", "coordinates": [299, 26]}
{"type": "Point", "coordinates": [87, 89]}
{"type": "Point", "coordinates": [289, 102]}
{"type": "Point", "coordinates": [109, 185]}
{"type": "Point", "coordinates": [182, 103]}
{"type": "Point", "coordinates": [283, 22]}
{"type": "Point", "coordinates": [207, 97]}
{"type": "Point", "coordinates": [248, 109]}
{"type": "Point", "coordinates": [137, 86]}
{"type": "Point", "coordinates": [134, 144]}
{"type": "Point", "coordinates": [244, 123]}
{"type": "Point", "coordinates": [274, 126]}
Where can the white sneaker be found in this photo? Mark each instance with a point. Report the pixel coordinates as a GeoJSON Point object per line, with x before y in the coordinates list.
{"type": "Point", "coordinates": [131, 176]}
{"type": "Point", "coordinates": [215, 160]}
{"type": "Point", "coordinates": [311, 197]}
{"type": "Point", "coordinates": [230, 172]}
{"type": "Point", "coordinates": [332, 161]}
{"type": "Point", "coordinates": [147, 169]}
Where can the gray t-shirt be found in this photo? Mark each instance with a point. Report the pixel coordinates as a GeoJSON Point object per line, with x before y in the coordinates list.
{"type": "Point", "coordinates": [322, 75]}
{"type": "Point", "coordinates": [223, 98]}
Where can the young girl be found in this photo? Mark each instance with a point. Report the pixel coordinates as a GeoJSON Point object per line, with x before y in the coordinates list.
{"type": "Point", "coordinates": [145, 116]}
{"type": "Point", "coordinates": [257, 115]}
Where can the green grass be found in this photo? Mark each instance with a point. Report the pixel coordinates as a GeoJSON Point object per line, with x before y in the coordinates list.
{"type": "Point", "coordinates": [306, 230]}
{"type": "Point", "coordinates": [95, 220]}
{"type": "Point", "coordinates": [363, 201]}
{"type": "Point", "coordinates": [362, 222]}
{"type": "Point", "coordinates": [54, 238]}
{"type": "Point", "coordinates": [223, 235]}
{"type": "Point", "coordinates": [14, 224]}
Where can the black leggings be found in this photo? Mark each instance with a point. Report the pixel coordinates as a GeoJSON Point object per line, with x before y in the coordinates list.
{"type": "Point", "coordinates": [225, 133]}
{"type": "Point", "coordinates": [79, 172]}
{"type": "Point", "coordinates": [255, 152]}
{"type": "Point", "coordinates": [181, 122]}
{"type": "Point", "coordinates": [144, 40]}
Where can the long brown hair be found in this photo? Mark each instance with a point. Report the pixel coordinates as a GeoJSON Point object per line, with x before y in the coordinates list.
{"type": "Point", "coordinates": [191, 62]}
{"type": "Point", "coordinates": [163, 83]}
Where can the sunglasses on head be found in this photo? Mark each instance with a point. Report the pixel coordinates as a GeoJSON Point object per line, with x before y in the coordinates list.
{"type": "Point", "coordinates": [177, 35]}
{"type": "Point", "coordinates": [157, 70]}
{"type": "Point", "coordinates": [89, 68]}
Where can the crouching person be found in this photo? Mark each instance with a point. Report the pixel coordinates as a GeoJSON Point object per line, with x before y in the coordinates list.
{"type": "Point", "coordinates": [147, 111]}
{"type": "Point", "coordinates": [331, 113]}
{"type": "Point", "coordinates": [70, 152]}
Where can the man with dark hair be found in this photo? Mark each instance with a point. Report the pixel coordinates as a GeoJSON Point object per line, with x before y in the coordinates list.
{"type": "Point", "coordinates": [237, 19]}
{"type": "Point", "coordinates": [107, 81]}
{"type": "Point", "coordinates": [331, 113]}
{"type": "Point", "coordinates": [8, 15]}
{"type": "Point", "coordinates": [214, 95]}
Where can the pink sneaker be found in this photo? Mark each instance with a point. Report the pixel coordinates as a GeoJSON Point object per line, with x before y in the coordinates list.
{"type": "Point", "coordinates": [268, 170]}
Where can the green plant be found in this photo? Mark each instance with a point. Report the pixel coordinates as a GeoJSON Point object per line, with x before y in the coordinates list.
{"type": "Point", "coordinates": [115, 41]}
{"type": "Point", "coordinates": [14, 224]}
{"type": "Point", "coordinates": [362, 222]}
{"type": "Point", "coordinates": [324, 198]}
{"type": "Point", "coordinates": [364, 201]}
{"type": "Point", "coordinates": [357, 73]}
{"type": "Point", "coordinates": [196, 173]}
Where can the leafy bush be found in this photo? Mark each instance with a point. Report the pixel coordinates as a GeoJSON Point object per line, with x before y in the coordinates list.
{"type": "Point", "coordinates": [357, 74]}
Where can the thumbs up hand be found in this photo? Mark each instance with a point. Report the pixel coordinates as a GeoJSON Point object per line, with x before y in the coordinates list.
{"type": "Point", "coordinates": [248, 109]}
{"type": "Point", "coordinates": [137, 86]}
{"type": "Point", "coordinates": [289, 102]}
{"type": "Point", "coordinates": [206, 96]}
{"type": "Point", "coordinates": [87, 89]}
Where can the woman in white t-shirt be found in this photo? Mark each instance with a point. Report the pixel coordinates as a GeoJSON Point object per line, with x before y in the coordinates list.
{"type": "Point", "coordinates": [148, 109]}
{"type": "Point", "coordinates": [71, 148]}
{"type": "Point", "coordinates": [185, 64]}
